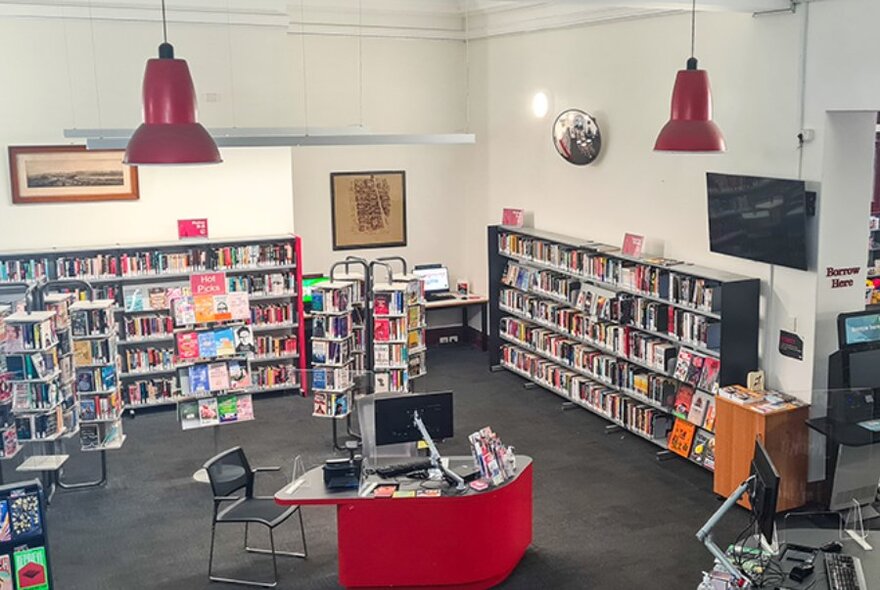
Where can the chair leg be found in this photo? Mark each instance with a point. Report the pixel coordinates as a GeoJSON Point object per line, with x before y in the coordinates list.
{"type": "Point", "coordinates": [302, 555]}
{"type": "Point", "coordinates": [211, 554]}
{"type": "Point", "coordinates": [214, 578]}
{"type": "Point", "coordinates": [274, 554]}
{"type": "Point", "coordinates": [245, 535]}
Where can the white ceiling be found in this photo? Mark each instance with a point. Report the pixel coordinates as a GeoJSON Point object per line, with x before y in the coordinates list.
{"type": "Point", "coordinates": [439, 19]}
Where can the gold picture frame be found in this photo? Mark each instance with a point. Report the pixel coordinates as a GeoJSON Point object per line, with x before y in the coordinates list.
{"type": "Point", "coordinates": [369, 209]}
{"type": "Point", "coordinates": [70, 173]}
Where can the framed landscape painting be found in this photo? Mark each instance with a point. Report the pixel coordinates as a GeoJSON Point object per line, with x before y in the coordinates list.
{"type": "Point", "coordinates": [369, 209]}
{"type": "Point", "coordinates": [60, 174]}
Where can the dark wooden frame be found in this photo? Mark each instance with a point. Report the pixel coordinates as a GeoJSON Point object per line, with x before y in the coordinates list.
{"type": "Point", "coordinates": [333, 176]}
{"type": "Point", "coordinates": [15, 151]}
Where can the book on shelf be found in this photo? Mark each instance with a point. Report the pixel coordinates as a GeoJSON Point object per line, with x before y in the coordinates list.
{"type": "Point", "coordinates": [709, 377]}
{"type": "Point", "coordinates": [204, 308]}
{"type": "Point", "coordinates": [208, 412]}
{"type": "Point", "coordinates": [239, 305]}
{"type": "Point", "coordinates": [188, 345]}
{"type": "Point", "coordinates": [225, 341]}
{"type": "Point", "coordinates": [221, 311]}
{"type": "Point", "coordinates": [681, 438]}
{"type": "Point", "coordinates": [207, 344]}
{"type": "Point", "coordinates": [183, 310]}
{"type": "Point", "coordinates": [699, 408]}
{"type": "Point", "coordinates": [218, 376]}
{"type": "Point", "coordinates": [87, 409]}
{"type": "Point", "coordinates": [244, 341]}
{"type": "Point", "coordinates": [198, 379]}
{"type": "Point", "coordinates": [239, 377]}
{"type": "Point", "coordinates": [188, 414]}
{"type": "Point", "coordinates": [227, 409]}
{"type": "Point", "coordinates": [683, 400]}
{"type": "Point", "coordinates": [703, 449]}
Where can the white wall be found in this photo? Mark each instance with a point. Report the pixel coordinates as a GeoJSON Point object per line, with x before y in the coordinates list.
{"type": "Point", "coordinates": [56, 81]}
{"type": "Point", "coordinates": [409, 86]}
{"type": "Point", "coordinates": [623, 74]}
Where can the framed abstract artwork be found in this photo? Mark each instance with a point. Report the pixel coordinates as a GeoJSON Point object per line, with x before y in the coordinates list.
{"type": "Point", "coordinates": [70, 173]}
{"type": "Point", "coordinates": [369, 209]}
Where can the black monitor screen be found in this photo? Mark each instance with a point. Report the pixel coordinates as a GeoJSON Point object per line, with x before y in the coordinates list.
{"type": "Point", "coordinates": [859, 328]}
{"type": "Point", "coordinates": [762, 219]}
{"type": "Point", "coordinates": [864, 368]}
{"type": "Point", "coordinates": [764, 492]}
{"type": "Point", "coordinates": [394, 417]}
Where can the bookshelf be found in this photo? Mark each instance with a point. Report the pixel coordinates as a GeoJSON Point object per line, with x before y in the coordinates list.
{"type": "Point", "coordinates": [9, 446]}
{"type": "Point", "coordinates": [141, 279]}
{"type": "Point", "coordinates": [94, 336]}
{"type": "Point", "coordinates": [358, 317]}
{"type": "Point", "coordinates": [414, 307]}
{"type": "Point", "coordinates": [32, 359]}
{"type": "Point", "coordinates": [642, 342]}
{"type": "Point", "coordinates": [333, 357]}
{"type": "Point", "coordinates": [60, 303]}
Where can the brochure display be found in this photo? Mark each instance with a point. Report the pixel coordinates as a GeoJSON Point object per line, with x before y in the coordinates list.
{"type": "Point", "coordinates": [213, 347]}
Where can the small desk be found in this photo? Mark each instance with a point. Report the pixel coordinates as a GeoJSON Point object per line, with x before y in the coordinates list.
{"type": "Point", "coordinates": [467, 542]}
{"type": "Point", "coordinates": [465, 303]}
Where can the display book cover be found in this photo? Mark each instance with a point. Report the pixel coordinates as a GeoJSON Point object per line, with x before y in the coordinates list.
{"type": "Point", "coordinates": [24, 552]}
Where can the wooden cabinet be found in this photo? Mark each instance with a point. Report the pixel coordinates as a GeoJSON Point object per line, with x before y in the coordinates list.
{"type": "Point", "coordinates": [785, 437]}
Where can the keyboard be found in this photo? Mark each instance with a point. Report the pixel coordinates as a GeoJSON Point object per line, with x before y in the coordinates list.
{"type": "Point", "coordinates": [439, 296]}
{"type": "Point", "coordinates": [403, 468]}
{"type": "Point", "coordinates": [844, 572]}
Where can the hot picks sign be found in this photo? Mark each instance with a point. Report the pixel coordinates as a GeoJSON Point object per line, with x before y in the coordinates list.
{"type": "Point", "coordinates": [842, 277]}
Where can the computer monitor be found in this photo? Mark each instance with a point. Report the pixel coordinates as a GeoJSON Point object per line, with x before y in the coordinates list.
{"type": "Point", "coordinates": [435, 277]}
{"type": "Point", "coordinates": [394, 417]}
{"type": "Point", "coordinates": [859, 329]}
{"type": "Point", "coordinates": [764, 491]}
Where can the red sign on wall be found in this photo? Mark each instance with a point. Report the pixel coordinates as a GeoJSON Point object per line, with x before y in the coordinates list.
{"type": "Point", "coordinates": [192, 228]}
{"type": "Point", "coordinates": [211, 283]}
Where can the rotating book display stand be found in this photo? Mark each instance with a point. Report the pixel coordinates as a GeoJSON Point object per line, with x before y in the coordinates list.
{"type": "Point", "coordinates": [332, 377]}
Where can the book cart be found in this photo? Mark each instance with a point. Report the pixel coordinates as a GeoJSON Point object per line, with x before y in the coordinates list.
{"type": "Point", "coordinates": [643, 342]}
{"type": "Point", "coordinates": [142, 279]}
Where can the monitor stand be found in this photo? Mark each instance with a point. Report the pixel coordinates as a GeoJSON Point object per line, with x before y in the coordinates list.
{"type": "Point", "coordinates": [436, 459]}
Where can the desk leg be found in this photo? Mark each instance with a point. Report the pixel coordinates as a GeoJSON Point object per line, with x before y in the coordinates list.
{"type": "Point", "coordinates": [484, 326]}
{"type": "Point", "coordinates": [464, 325]}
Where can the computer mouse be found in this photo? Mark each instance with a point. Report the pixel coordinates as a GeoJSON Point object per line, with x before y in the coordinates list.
{"type": "Point", "coordinates": [832, 547]}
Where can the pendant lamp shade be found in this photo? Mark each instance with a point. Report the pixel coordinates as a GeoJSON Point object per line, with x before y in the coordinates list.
{"type": "Point", "coordinates": [690, 127]}
{"type": "Point", "coordinates": [170, 133]}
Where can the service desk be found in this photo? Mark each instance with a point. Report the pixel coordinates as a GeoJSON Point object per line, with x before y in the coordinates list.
{"type": "Point", "coordinates": [467, 542]}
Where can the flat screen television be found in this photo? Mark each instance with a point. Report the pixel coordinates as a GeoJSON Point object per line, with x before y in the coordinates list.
{"type": "Point", "coordinates": [762, 219]}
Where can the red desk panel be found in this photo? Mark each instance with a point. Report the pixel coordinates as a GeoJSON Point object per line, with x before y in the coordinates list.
{"type": "Point", "coordinates": [468, 542]}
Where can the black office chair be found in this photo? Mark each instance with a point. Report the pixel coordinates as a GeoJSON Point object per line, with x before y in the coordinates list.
{"type": "Point", "coordinates": [228, 473]}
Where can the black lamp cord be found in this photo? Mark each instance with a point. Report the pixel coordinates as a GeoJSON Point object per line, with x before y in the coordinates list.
{"type": "Point", "coordinates": [165, 26]}
{"type": "Point", "coordinates": [692, 62]}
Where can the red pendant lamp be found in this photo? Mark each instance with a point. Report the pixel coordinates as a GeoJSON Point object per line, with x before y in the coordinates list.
{"type": "Point", "coordinates": [690, 127]}
{"type": "Point", "coordinates": [170, 133]}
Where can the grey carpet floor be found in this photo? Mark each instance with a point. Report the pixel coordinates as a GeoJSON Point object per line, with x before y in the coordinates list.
{"type": "Point", "coordinates": [607, 514]}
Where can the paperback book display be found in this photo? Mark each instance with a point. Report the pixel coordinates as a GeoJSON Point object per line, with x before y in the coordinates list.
{"type": "Point", "coordinates": [9, 446]}
{"type": "Point", "coordinates": [60, 303]}
{"type": "Point", "coordinates": [358, 318]}
{"type": "Point", "coordinates": [144, 280]}
{"type": "Point", "coordinates": [212, 354]}
{"type": "Point", "coordinates": [34, 377]}
{"type": "Point", "coordinates": [634, 339]}
{"type": "Point", "coordinates": [398, 334]}
{"type": "Point", "coordinates": [24, 540]}
{"type": "Point", "coordinates": [96, 375]}
{"type": "Point", "coordinates": [332, 349]}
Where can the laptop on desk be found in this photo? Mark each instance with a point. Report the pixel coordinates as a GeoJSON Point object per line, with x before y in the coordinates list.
{"type": "Point", "coordinates": [436, 279]}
